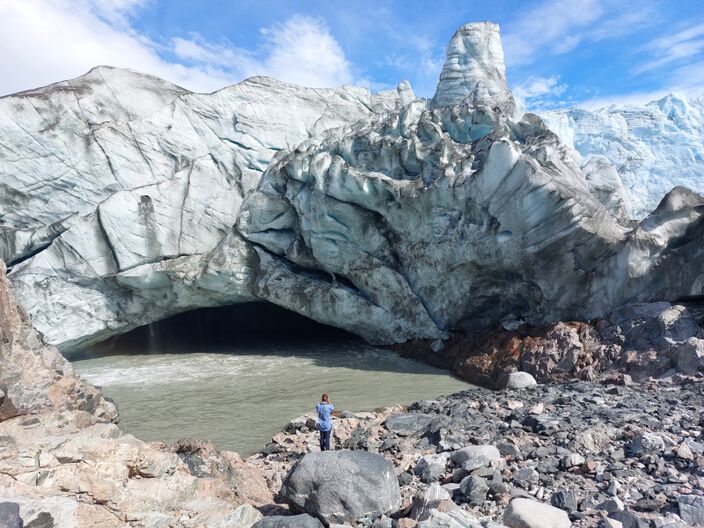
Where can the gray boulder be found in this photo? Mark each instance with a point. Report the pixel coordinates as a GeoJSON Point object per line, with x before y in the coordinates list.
{"type": "Point", "coordinates": [342, 486]}
{"type": "Point", "coordinates": [528, 513]}
{"type": "Point", "coordinates": [475, 457]}
{"type": "Point", "coordinates": [431, 467]}
{"type": "Point", "coordinates": [288, 521]}
{"type": "Point", "coordinates": [408, 424]}
{"type": "Point", "coordinates": [647, 443]}
{"type": "Point", "coordinates": [565, 500]}
{"type": "Point", "coordinates": [10, 515]}
{"type": "Point", "coordinates": [691, 509]}
{"type": "Point", "coordinates": [520, 380]}
{"type": "Point", "coordinates": [428, 499]}
{"type": "Point", "coordinates": [629, 519]}
{"type": "Point", "coordinates": [474, 489]}
{"type": "Point", "coordinates": [453, 518]}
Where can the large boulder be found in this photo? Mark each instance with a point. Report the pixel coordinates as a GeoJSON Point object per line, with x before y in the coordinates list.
{"type": "Point", "coordinates": [10, 515]}
{"type": "Point", "coordinates": [520, 380]}
{"type": "Point", "coordinates": [342, 486]}
{"type": "Point", "coordinates": [691, 509]}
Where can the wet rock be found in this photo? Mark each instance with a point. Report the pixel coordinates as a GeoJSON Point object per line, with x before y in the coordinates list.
{"type": "Point", "coordinates": [520, 380]}
{"type": "Point", "coordinates": [341, 486]}
{"type": "Point", "coordinates": [288, 521]}
{"type": "Point", "coordinates": [528, 513]}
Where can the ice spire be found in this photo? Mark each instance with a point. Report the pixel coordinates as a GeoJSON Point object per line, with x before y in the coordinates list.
{"type": "Point", "coordinates": [474, 69]}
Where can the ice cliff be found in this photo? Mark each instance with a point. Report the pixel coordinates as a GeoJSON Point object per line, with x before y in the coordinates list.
{"type": "Point", "coordinates": [652, 147]}
{"type": "Point", "coordinates": [126, 199]}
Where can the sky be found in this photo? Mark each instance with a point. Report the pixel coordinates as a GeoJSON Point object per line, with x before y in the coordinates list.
{"type": "Point", "coordinates": [587, 53]}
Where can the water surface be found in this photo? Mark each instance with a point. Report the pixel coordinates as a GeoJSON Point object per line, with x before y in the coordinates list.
{"type": "Point", "coordinates": [239, 396]}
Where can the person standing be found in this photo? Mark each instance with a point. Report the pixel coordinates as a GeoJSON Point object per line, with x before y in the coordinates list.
{"type": "Point", "coordinates": [324, 410]}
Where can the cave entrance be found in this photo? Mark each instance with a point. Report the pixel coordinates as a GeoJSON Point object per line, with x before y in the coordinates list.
{"type": "Point", "coordinates": [237, 375]}
{"type": "Point", "coordinates": [250, 325]}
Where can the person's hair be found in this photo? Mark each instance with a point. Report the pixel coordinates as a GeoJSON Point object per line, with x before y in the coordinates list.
{"type": "Point", "coordinates": [325, 398]}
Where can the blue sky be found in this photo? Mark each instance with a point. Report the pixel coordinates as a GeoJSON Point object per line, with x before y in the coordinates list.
{"type": "Point", "coordinates": [558, 53]}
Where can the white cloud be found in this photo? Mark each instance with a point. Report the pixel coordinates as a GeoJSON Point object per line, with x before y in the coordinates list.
{"type": "Point", "coordinates": [303, 51]}
{"type": "Point", "coordinates": [668, 49]}
{"type": "Point", "coordinates": [554, 27]}
{"type": "Point", "coordinates": [687, 80]}
{"type": "Point", "coordinates": [551, 25]}
{"type": "Point", "coordinates": [540, 93]}
{"type": "Point", "coordinates": [44, 41]}
{"type": "Point", "coordinates": [535, 87]}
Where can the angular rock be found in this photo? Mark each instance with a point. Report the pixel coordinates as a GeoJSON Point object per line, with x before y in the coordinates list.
{"type": "Point", "coordinates": [342, 486]}
{"type": "Point", "coordinates": [408, 424]}
{"type": "Point", "coordinates": [10, 515]}
{"type": "Point", "coordinates": [528, 513]}
{"type": "Point", "coordinates": [611, 505]}
{"type": "Point", "coordinates": [302, 520]}
{"type": "Point", "coordinates": [454, 518]}
{"type": "Point", "coordinates": [474, 489]}
{"type": "Point", "coordinates": [691, 508]}
{"type": "Point", "coordinates": [476, 456]}
{"type": "Point", "coordinates": [629, 519]}
{"type": "Point", "coordinates": [565, 500]}
{"type": "Point", "coordinates": [647, 443]}
{"type": "Point", "coordinates": [431, 467]}
{"type": "Point", "coordinates": [526, 477]}
{"type": "Point", "coordinates": [428, 499]}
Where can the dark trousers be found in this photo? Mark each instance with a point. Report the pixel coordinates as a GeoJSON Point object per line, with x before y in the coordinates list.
{"type": "Point", "coordinates": [325, 440]}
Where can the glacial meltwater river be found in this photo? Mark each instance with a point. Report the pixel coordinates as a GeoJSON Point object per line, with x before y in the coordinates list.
{"type": "Point", "coordinates": [240, 395]}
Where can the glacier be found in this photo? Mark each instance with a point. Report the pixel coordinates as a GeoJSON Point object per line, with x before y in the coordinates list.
{"type": "Point", "coordinates": [126, 199]}
{"type": "Point", "coordinates": [653, 147]}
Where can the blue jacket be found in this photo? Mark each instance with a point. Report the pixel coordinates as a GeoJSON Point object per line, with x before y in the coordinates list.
{"type": "Point", "coordinates": [324, 411]}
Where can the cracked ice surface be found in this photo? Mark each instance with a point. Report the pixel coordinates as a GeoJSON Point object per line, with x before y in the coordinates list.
{"type": "Point", "coordinates": [126, 199]}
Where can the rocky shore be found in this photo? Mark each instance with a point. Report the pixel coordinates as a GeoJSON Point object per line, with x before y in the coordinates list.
{"type": "Point", "coordinates": [640, 340]}
{"type": "Point", "coordinates": [65, 463]}
{"type": "Point", "coordinates": [575, 453]}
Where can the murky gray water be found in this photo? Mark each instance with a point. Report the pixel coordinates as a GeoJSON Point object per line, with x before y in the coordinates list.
{"type": "Point", "coordinates": [239, 398]}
